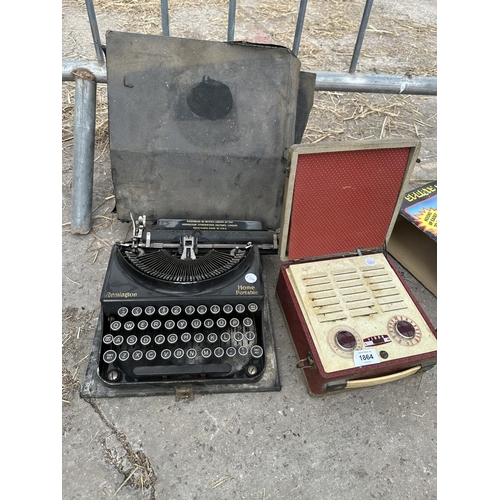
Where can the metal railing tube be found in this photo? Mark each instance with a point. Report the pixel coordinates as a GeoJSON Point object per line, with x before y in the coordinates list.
{"type": "Point", "coordinates": [70, 67]}
{"type": "Point", "coordinates": [165, 24]}
{"type": "Point", "coordinates": [361, 35]}
{"type": "Point", "coordinates": [83, 152]}
{"type": "Point", "coordinates": [231, 20]}
{"type": "Point", "coordinates": [95, 32]}
{"type": "Point", "coordinates": [299, 26]}
{"type": "Point", "coordinates": [384, 84]}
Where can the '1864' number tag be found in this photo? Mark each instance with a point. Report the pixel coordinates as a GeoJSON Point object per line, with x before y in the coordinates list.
{"type": "Point", "coordinates": [365, 357]}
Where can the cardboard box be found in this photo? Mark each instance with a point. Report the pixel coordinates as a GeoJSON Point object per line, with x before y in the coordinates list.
{"type": "Point", "coordinates": [413, 241]}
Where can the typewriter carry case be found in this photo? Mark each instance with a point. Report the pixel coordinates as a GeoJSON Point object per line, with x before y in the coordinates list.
{"type": "Point", "coordinates": [199, 139]}
{"type": "Point", "coordinates": [352, 319]}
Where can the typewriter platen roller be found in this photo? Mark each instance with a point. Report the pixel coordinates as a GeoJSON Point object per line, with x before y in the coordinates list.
{"type": "Point", "coordinates": [183, 302]}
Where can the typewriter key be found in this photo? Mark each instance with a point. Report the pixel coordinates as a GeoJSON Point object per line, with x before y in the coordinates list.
{"type": "Point", "coordinates": [221, 322]}
{"type": "Point", "coordinates": [242, 350]}
{"type": "Point", "coordinates": [191, 353]}
{"type": "Point", "coordinates": [190, 310]}
{"type": "Point", "coordinates": [238, 336]}
{"type": "Point", "coordinates": [196, 323]}
{"type": "Point", "coordinates": [145, 340]}
{"type": "Point", "coordinates": [129, 326]}
{"type": "Point", "coordinates": [250, 336]}
{"type": "Point", "coordinates": [186, 337]}
{"type": "Point", "coordinates": [239, 308]}
{"type": "Point", "coordinates": [212, 337]}
{"type": "Point", "coordinates": [202, 309]}
{"type": "Point", "coordinates": [248, 321]}
{"type": "Point", "coordinates": [253, 307]}
{"type": "Point", "coordinates": [131, 340]}
{"type": "Point", "coordinates": [137, 355]}
{"type": "Point", "coordinates": [172, 338]}
{"type": "Point", "coordinates": [206, 352]}
{"type": "Point", "coordinates": [142, 325]}
{"type": "Point", "coordinates": [176, 310]}
{"type": "Point", "coordinates": [225, 337]}
{"type": "Point", "coordinates": [166, 353]}
{"type": "Point", "coordinates": [150, 355]}
{"type": "Point", "coordinates": [123, 356]}
{"type": "Point", "coordinates": [215, 309]}
{"type": "Point", "coordinates": [123, 311]}
{"type": "Point", "coordinates": [228, 308]}
{"type": "Point", "coordinates": [234, 322]}
{"type": "Point", "coordinates": [169, 324]}
{"type": "Point", "coordinates": [109, 356]}
{"type": "Point", "coordinates": [208, 323]}
{"type": "Point", "coordinates": [107, 339]}
{"type": "Point", "coordinates": [231, 351]}
{"type": "Point", "coordinates": [115, 326]}
{"type": "Point", "coordinates": [155, 324]}
{"type": "Point", "coordinates": [219, 352]}
{"type": "Point", "coordinates": [163, 311]}
{"type": "Point", "coordinates": [256, 351]}
{"type": "Point", "coordinates": [118, 340]}
{"type": "Point", "coordinates": [178, 353]}
{"type": "Point", "coordinates": [198, 337]}
{"type": "Point", "coordinates": [181, 324]}
{"type": "Point", "coordinates": [159, 339]}
{"type": "Point", "coordinates": [137, 311]}
{"type": "Point", "coordinates": [150, 310]}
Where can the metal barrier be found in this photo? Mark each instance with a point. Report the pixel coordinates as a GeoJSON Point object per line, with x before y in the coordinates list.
{"type": "Point", "coordinates": [87, 74]}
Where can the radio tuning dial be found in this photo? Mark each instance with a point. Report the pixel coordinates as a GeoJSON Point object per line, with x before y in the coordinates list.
{"type": "Point", "coordinates": [345, 340]}
{"type": "Point", "coordinates": [405, 329]}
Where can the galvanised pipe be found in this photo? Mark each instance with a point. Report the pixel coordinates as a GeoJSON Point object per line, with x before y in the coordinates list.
{"type": "Point", "coordinates": [95, 32]}
{"type": "Point", "coordinates": [70, 67]}
{"type": "Point", "coordinates": [164, 18]}
{"type": "Point", "coordinates": [231, 20]}
{"type": "Point", "coordinates": [361, 35]}
{"type": "Point", "coordinates": [299, 26]}
{"type": "Point", "coordinates": [83, 151]}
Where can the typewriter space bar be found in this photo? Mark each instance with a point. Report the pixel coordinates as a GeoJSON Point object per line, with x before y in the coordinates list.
{"type": "Point", "coordinates": [208, 369]}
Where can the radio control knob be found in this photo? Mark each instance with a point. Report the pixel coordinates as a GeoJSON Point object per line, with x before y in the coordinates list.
{"type": "Point", "coordinates": [345, 340]}
{"type": "Point", "coordinates": [405, 329]}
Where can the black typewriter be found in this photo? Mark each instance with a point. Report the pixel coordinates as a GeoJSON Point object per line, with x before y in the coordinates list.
{"type": "Point", "coordinates": [183, 302]}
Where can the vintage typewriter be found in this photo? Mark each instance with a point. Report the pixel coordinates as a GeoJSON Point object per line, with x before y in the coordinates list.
{"type": "Point", "coordinates": [183, 303]}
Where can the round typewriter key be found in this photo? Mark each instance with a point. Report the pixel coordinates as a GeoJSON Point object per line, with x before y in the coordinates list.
{"type": "Point", "coordinates": [159, 339]}
{"type": "Point", "coordinates": [142, 325]}
{"type": "Point", "coordinates": [166, 353]}
{"type": "Point", "coordinates": [118, 340]}
{"type": "Point", "coordinates": [250, 336]}
{"type": "Point", "coordinates": [155, 324]}
{"type": "Point", "coordinates": [196, 323]}
{"type": "Point", "coordinates": [228, 308]}
{"type": "Point", "coordinates": [191, 353]}
{"type": "Point", "coordinates": [225, 337]}
{"type": "Point", "coordinates": [198, 337]}
{"type": "Point", "coordinates": [129, 326]}
{"type": "Point", "coordinates": [206, 352]}
{"type": "Point", "coordinates": [150, 310]}
{"type": "Point", "coordinates": [123, 311]}
{"type": "Point", "coordinates": [221, 322]}
{"type": "Point", "coordinates": [190, 310]}
{"type": "Point", "coordinates": [109, 356]}
{"type": "Point", "coordinates": [123, 356]}
{"type": "Point", "coordinates": [234, 322]}
{"type": "Point", "coordinates": [115, 326]}
{"type": "Point", "coordinates": [209, 323]}
{"type": "Point", "coordinates": [239, 308]}
{"type": "Point", "coordinates": [107, 339]}
{"type": "Point", "coordinates": [181, 324]}
{"type": "Point", "coordinates": [178, 353]}
{"type": "Point", "coordinates": [145, 340]}
{"type": "Point", "coordinates": [231, 351]}
{"type": "Point", "coordinates": [238, 336]}
{"type": "Point", "coordinates": [248, 321]}
{"type": "Point", "coordinates": [137, 311]}
{"type": "Point", "coordinates": [137, 355]}
{"type": "Point", "coordinates": [169, 324]}
{"type": "Point", "coordinates": [131, 340]}
{"type": "Point", "coordinates": [252, 307]}
{"type": "Point", "coordinates": [242, 350]}
{"type": "Point", "coordinates": [257, 351]}
{"type": "Point", "coordinates": [150, 355]}
{"type": "Point", "coordinates": [202, 309]}
{"type": "Point", "coordinates": [163, 311]}
{"type": "Point", "coordinates": [172, 338]}
{"type": "Point", "coordinates": [212, 337]}
{"type": "Point", "coordinates": [186, 337]}
{"type": "Point", "coordinates": [176, 310]}
{"type": "Point", "coordinates": [219, 352]}
{"type": "Point", "coordinates": [215, 309]}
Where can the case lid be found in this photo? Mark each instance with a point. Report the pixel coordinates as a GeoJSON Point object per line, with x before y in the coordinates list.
{"type": "Point", "coordinates": [344, 196]}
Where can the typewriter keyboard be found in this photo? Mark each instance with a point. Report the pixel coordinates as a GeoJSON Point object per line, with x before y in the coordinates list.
{"type": "Point", "coordinates": [148, 343]}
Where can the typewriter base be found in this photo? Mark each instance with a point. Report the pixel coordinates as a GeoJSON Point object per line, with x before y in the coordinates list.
{"type": "Point", "coordinates": [94, 387]}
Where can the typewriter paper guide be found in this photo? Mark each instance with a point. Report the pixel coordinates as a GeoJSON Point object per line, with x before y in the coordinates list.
{"type": "Point", "coordinates": [344, 196]}
{"type": "Point", "coordinates": [200, 129]}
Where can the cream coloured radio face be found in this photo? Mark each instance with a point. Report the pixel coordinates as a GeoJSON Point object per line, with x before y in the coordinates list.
{"type": "Point", "coordinates": [358, 312]}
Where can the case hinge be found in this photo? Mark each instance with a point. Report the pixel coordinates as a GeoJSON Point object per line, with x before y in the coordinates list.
{"type": "Point", "coordinates": [306, 362]}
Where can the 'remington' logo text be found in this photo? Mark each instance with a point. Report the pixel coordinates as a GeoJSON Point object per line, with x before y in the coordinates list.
{"type": "Point", "coordinates": [121, 295]}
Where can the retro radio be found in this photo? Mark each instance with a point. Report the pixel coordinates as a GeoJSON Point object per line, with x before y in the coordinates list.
{"type": "Point", "coordinates": [352, 320]}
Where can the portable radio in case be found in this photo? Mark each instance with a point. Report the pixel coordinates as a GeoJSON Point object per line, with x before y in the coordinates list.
{"type": "Point", "coordinates": [352, 320]}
